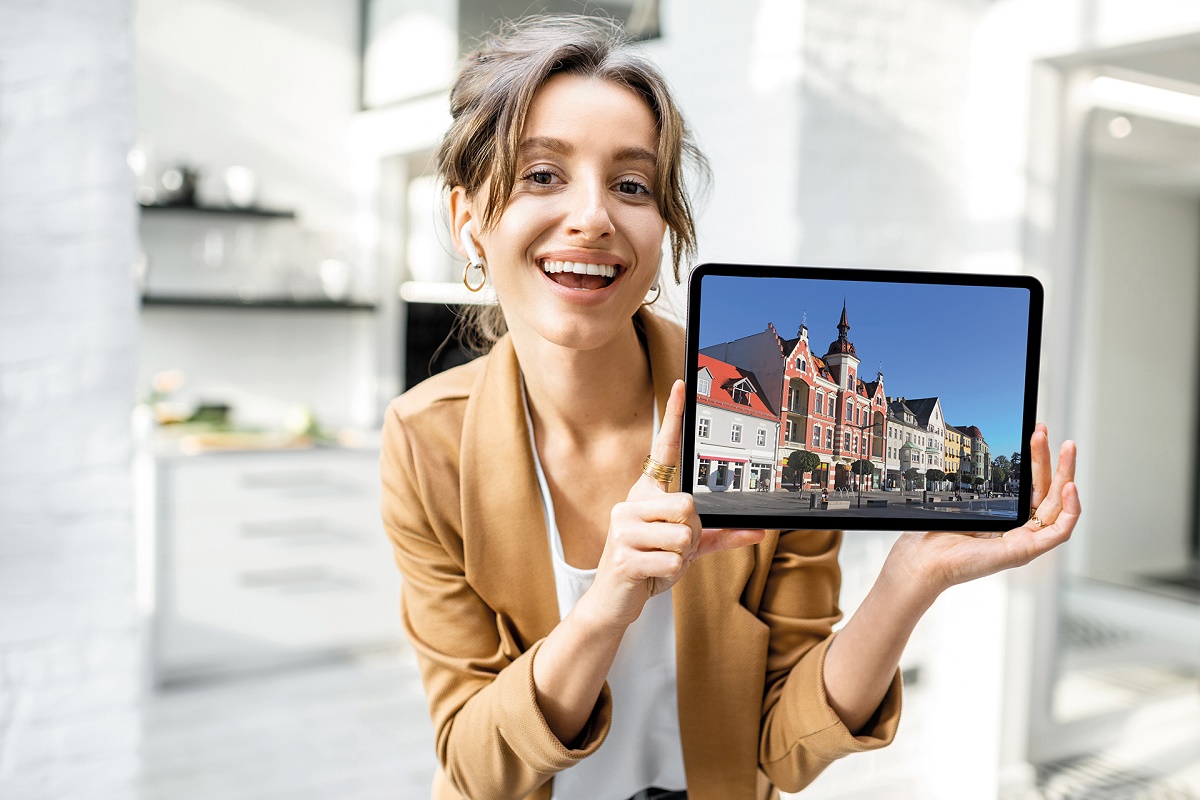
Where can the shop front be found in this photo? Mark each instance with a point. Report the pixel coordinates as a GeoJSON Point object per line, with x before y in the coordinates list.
{"type": "Point", "coordinates": [724, 474]}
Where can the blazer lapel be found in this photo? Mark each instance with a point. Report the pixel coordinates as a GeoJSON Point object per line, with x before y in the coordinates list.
{"type": "Point", "coordinates": [720, 657]}
{"type": "Point", "coordinates": [506, 549]}
{"type": "Point", "coordinates": [720, 646]}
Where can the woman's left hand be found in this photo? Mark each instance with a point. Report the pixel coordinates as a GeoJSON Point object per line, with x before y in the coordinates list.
{"type": "Point", "coordinates": [944, 559]}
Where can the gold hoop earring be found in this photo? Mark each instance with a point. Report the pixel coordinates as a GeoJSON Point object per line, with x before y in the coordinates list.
{"type": "Point", "coordinates": [657, 291]}
{"type": "Point", "coordinates": [482, 268]}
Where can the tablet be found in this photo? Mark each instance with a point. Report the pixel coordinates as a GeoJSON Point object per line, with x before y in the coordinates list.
{"type": "Point", "coordinates": [823, 397]}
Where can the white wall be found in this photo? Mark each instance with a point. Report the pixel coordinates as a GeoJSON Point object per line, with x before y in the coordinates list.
{"type": "Point", "coordinates": [1141, 287]}
{"type": "Point", "coordinates": [69, 647]}
{"type": "Point", "coordinates": [267, 84]}
{"type": "Point", "coordinates": [272, 86]}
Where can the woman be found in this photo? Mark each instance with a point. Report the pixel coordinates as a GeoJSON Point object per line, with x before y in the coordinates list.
{"type": "Point", "coordinates": [578, 634]}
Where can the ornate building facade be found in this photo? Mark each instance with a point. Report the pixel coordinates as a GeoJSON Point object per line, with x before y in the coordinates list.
{"type": "Point", "coordinates": [824, 406]}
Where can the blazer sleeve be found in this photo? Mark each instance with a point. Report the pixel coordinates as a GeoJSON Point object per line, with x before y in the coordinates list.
{"type": "Point", "coordinates": [492, 740]}
{"type": "Point", "coordinates": [800, 733]}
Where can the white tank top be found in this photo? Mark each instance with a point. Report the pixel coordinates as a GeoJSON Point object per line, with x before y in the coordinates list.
{"type": "Point", "coordinates": [643, 747]}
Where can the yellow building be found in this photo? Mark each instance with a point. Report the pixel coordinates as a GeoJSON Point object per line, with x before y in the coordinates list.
{"type": "Point", "coordinates": [954, 443]}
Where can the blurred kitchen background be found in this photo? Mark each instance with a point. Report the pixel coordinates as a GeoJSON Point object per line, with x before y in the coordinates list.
{"type": "Point", "coordinates": [222, 253]}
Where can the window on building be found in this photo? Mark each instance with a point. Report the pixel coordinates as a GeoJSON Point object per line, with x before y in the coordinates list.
{"type": "Point", "coordinates": [819, 403]}
{"type": "Point", "coordinates": [703, 386]}
{"type": "Point", "coordinates": [761, 439]}
{"type": "Point", "coordinates": [735, 433]}
{"type": "Point", "coordinates": [702, 428]}
{"type": "Point", "coordinates": [740, 396]}
{"type": "Point", "coordinates": [794, 399]}
{"type": "Point", "coordinates": [846, 440]}
{"type": "Point", "coordinates": [816, 440]}
{"type": "Point", "coordinates": [829, 438]}
{"type": "Point", "coordinates": [854, 444]}
{"type": "Point", "coordinates": [830, 412]}
{"type": "Point", "coordinates": [849, 409]}
{"type": "Point", "coordinates": [803, 366]}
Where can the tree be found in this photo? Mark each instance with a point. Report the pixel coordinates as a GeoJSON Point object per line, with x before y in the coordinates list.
{"type": "Point", "coordinates": [1015, 464]}
{"type": "Point", "coordinates": [978, 481]}
{"type": "Point", "coordinates": [999, 477]}
{"type": "Point", "coordinates": [798, 463]}
{"type": "Point", "coordinates": [914, 475]}
{"type": "Point", "coordinates": [935, 475]}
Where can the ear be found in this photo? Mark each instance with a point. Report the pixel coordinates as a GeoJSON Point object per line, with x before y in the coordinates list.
{"type": "Point", "coordinates": [460, 214]}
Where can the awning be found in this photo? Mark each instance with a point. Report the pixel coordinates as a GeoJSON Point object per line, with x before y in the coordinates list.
{"type": "Point", "coordinates": [724, 458]}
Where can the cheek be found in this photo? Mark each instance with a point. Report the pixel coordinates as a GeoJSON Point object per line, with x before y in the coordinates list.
{"type": "Point", "coordinates": [644, 227]}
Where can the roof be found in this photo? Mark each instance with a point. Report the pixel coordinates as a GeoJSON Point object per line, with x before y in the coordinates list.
{"type": "Point", "coordinates": [922, 408]}
{"type": "Point", "coordinates": [725, 376]}
{"type": "Point", "coordinates": [970, 430]}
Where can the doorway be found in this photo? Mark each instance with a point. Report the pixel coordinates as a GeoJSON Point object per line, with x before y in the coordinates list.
{"type": "Point", "coordinates": [1127, 629]}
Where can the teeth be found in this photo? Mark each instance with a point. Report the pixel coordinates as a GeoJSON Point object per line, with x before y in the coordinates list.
{"type": "Point", "coordinates": [579, 267]}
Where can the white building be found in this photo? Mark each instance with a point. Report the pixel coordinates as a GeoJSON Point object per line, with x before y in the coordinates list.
{"type": "Point", "coordinates": [736, 433]}
{"type": "Point", "coordinates": [907, 441]}
{"type": "Point", "coordinates": [928, 411]}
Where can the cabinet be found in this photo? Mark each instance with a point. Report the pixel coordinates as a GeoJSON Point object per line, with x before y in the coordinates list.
{"type": "Point", "coordinates": [266, 559]}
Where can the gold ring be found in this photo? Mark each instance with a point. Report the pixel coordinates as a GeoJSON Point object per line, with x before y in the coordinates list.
{"type": "Point", "coordinates": [1033, 518]}
{"type": "Point", "coordinates": [659, 472]}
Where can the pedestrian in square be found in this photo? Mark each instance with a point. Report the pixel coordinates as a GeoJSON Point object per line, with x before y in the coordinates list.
{"type": "Point", "coordinates": [547, 602]}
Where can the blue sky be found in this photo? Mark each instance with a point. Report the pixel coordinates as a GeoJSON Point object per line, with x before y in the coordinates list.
{"type": "Point", "coordinates": [964, 344]}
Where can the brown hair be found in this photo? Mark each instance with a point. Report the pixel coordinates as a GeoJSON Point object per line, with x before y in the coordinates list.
{"type": "Point", "coordinates": [492, 93]}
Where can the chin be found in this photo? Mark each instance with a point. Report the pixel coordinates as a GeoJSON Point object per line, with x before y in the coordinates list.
{"type": "Point", "coordinates": [582, 329]}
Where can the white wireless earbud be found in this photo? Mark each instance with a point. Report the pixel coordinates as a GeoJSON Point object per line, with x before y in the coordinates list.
{"type": "Point", "coordinates": [469, 245]}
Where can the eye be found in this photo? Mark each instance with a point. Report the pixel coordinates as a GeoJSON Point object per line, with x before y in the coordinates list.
{"type": "Point", "coordinates": [632, 186]}
{"type": "Point", "coordinates": [541, 176]}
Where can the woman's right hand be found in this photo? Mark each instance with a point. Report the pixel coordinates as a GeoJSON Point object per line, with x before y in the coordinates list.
{"type": "Point", "coordinates": [654, 535]}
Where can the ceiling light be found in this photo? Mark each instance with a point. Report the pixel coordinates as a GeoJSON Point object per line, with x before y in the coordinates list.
{"type": "Point", "coordinates": [1146, 100]}
{"type": "Point", "coordinates": [1120, 127]}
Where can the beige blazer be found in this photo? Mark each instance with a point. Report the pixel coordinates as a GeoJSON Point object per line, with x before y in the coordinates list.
{"type": "Point", "coordinates": [462, 508]}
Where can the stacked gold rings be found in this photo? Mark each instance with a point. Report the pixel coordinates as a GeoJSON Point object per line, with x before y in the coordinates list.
{"type": "Point", "coordinates": [1033, 518]}
{"type": "Point", "coordinates": [659, 472]}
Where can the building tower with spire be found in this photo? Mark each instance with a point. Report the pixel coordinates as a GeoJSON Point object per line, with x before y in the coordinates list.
{"type": "Point", "coordinates": [841, 357]}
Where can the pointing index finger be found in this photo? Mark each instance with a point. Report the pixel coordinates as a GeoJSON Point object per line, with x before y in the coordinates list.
{"type": "Point", "coordinates": [670, 436]}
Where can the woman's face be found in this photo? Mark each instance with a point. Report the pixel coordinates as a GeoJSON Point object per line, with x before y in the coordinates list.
{"type": "Point", "coordinates": [578, 246]}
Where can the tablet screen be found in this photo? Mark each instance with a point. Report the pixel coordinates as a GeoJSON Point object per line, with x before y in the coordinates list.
{"type": "Point", "coordinates": [860, 399]}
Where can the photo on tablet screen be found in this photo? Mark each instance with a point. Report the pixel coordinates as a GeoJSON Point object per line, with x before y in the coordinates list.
{"type": "Point", "coordinates": [859, 398]}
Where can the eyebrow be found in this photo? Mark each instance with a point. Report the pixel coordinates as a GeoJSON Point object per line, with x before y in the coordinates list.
{"type": "Point", "coordinates": [552, 144]}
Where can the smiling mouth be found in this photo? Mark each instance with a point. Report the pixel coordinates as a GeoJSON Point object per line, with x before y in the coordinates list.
{"type": "Point", "coordinates": [580, 275]}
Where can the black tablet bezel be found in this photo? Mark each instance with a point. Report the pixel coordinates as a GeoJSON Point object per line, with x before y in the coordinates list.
{"type": "Point", "coordinates": [850, 521]}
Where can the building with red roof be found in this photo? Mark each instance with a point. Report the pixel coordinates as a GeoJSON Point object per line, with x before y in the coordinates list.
{"type": "Point", "coordinates": [736, 429]}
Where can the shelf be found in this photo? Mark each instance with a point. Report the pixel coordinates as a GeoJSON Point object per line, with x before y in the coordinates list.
{"type": "Point", "coordinates": [268, 303]}
{"type": "Point", "coordinates": [453, 294]}
{"type": "Point", "coordinates": [228, 211]}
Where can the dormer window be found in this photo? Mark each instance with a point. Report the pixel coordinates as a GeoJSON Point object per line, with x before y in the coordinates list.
{"type": "Point", "coordinates": [703, 386]}
{"type": "Point", "coordinates": [741, 391]}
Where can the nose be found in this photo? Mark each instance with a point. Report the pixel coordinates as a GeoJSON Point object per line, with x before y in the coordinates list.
{"type": "Point", "coordinates": [588, 216]}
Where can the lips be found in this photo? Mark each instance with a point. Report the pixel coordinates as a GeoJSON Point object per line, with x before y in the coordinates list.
{"type": "Point", "coordinates": [580, 274]}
